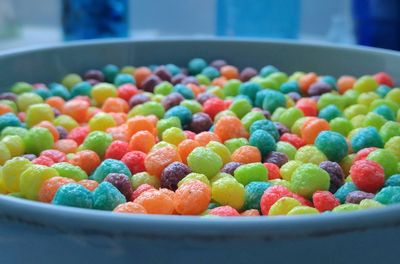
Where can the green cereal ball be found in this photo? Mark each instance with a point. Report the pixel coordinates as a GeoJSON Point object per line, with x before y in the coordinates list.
{"type": "Point", "coordinates": [385, 111]}
{"type": "Point", "coordinates": [250, 118]}
{"type": "Point", "coordinates": [386, 159]}
{"type": "Point", "coordinates": [367, 98]}
{"type": "Point", "coordinates": [288, 168]}
{"type": "Point", "coordinates": [310, 154]}
{"type": "Point", "coordinates": [341, 125]}
{"type": "Point", "coordinates": [68, 170]}
{"type": "Point", "coordinates": [109, 166]}
{"type": "Point", "coordinates": [346, 208]}
{"type": "Point", "coordinates": [81, 88]}
{"type": "Point", "coordinates": [74, 195]}
{"type": "Point", "coordinates": [393, 145]}
{"type": "Point", "coordinates": [98, 141]}
{"type": "Point", "coordinates": [280, 182]}
{"type": "Point", "coordinates": [369, 203]}
{"type": "Point", "coordinates": [329, 112]}
{"type": "Point", "coordinates": [235, 143]}
{"type": "Point", "coordinates": [70, 80]}
{"type": "Point", "coordinates": [21, 87]}
{"type": "Point", "coordinates": [267, 126]}
{"type": "Point", "coordinates": [38, 139]}
{"type": "Point", "coordinates": [215, 90]}
{"type": "Point", "coordinates": [144, 178]}
{"type": "Point", "coordinates": [393, 95]}
{"type": "Point", "coordinates": [166, 123]}
{"type": "Point", "coordinates": [344, 190]}
{"type": "Point", "coordinates": [163, 88]}
{"type": "Point", "coordinates": [101, 122]}
{"type": "Point", "coordinates": [32, 178]}
{"type": "Point", "coordinates": [332, 144]}
{"type": "Point", "coordinates": [365, 138]}
{"type": "Point", "coordinates": [290, 116]}
{"type": "Point", "coordinates": [27, 99]}
{"type": "Point", "coordinates": [358, 121]}
{"type": "Point", "coordinates": [277, 113]}
{"type": "Point", "coordinates": [355, 110]}
{"type": "Point", "coordinates": [17, 131]}
{"type": "Point", "coordinates": [203, 79]}
{"type": "Point", "coordinates": [388, 195]}
{"type": "Point", "coordinates": [4, 153]}
{"type": "Point", "coordinates": [295, 128]}
{"type": "Point", "coordinates": [287, 149]}
{"type": "Point", "coordinates": [11, 172]}
{"type": "Point", "coordinates": [350, 97]}
{"type": "Point", "coordinates": [263, 141]}
{"type": "Point", "coordinates": [221, 150]}
{"type": "Point", "coordinates": [38, 113]}
{"type": "Point", "coordinates": [173, 135]}
{"type": "Point", "coordinates": [205, 161]}
{"type": "Point", "coordinates": [331, 98]}
{"type": "Point", "coordinates": [273, 100]}
{"type": "Point", "coordinates": [379, 102]}
{"type": "Point", "coordinates": [309, 178]}
{"type": "Point", "coordinates": [227, 191]}
{"type": "Point", "coordinates": [66, 122]}
{"type": "Point", "coordinates": [219, 176]}
{"type": "Point", "coordinates": [128, 69]}
{"type": "Point", "coordinates": [251, 172]}
{"type": "Point", "coordinates": [15, 145]}
{"type": "Point", "coordinates": [279, 77]}
{"type": "Point", "coordinates": [296, 76]}
{"type": "Point", "coordinates": [303, 210]}
{"type": "Point", "coordinates": [153, 108]}
{"type": "Point", "coordinates": [240, 107]}
{"type": "Point", "coordinates": [373, 119]}
{"type": "Point", "coordinates": [231, 87]}
{"type": "Point", "coordinates": [194, 176]}
{"type": "Point", "coordinates": [267, 83]}
{"type": "Point", "coordinates": [106, 197]}
{"type": "Point", "coordinates": [346, 163]}
{"type": "Point", "coordinates": [365, 84]}
{"type": "Point", "coordinates": [192, 105]}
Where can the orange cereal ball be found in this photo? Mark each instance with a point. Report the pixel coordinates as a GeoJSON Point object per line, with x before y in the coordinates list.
{"type": "Point", "coordinates": [141, 74]}
{"type": "Point", "coordinates": [87, 160]}
{"type": "Point", "coordinates": [130, 208]}
{"type": "Point", "coordinates": [311, 128]}
{"type": "Point", "coordinates": [229, 127]}
{"type": "Point", "coordinates": [50, 187]}
{"type": "Point", "coordinates": [204, 138]}
{"type": "Point", "coordinates": [246, 154]}
{"type": "Point", "coordinates": [157, 160]}
{"type": "Point", "coordinates": [185, 147]}
{"type": "Point", "coordinates": [140, 123]}
{"type": "Point", "coordinates": [192, 198]}
{"type": "Point", "coordinates": [66, 146]}
{"type": "Point", "coordinates": [345, 83]}
{"type": "Point", "coordinates": [156, 202]}
{"type": "Point", "coordinates": [229, 72]}
{"type": "Point", "coordinates": [5, 109]}
{"type": "Point", "coordinates": [306, 80]}
{"type": "Point", "coordinates": [56, 102]}
{"type": "Point", "coordinates": [115, 105]}
{"type": "Point", "coordinates": [77, 109]}
{"type": "Point", "coordinates": [91, 185]}
{"type": "Point", "coordinates": [142, 141]}
{"type": "Point", "coordinates": [251, 212]}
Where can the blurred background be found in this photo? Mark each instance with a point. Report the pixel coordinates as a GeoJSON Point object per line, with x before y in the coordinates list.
{"type": "Point", "coordinates": [366, 22]}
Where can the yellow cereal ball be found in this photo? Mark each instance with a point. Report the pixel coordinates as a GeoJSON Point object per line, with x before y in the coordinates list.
{"type": "Point", "coordinates": [32, 179]}
{"type": "Point", "coordinates": [102, 91]}
{"type": "Point", "coordinates": [12, 171]}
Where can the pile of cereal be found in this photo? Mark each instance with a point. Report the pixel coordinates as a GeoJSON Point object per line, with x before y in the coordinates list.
{"type": "Point", "coordinates": [208, 139]}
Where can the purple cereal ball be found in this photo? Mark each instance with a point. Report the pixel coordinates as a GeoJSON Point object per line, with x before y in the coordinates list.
{"type": "Point", "coordinates": [29, 156]}
{"type": "Point", "coordinates": [282, 129]}
{"type": "Point", "coordinates": [178, 78]}
{"type": "Point", "coordinates": [277, 158]}
{"type": "Point", "coordinates": [218, 64]}
{"type": "Point", "coordinates": [163, 73]}
{"type": "Point", "coordinates": [171, 100]}
{"type": "Point", "coordinates": [294, 96]}
{"type": "Point", "coordinates": [247, 73]}
{"type": "Point", "coordinates": [184, 71]}
{"type": "Point", "coordinates": [92, 82]}
{"type": "Point", "coordinates": [62, 132]}
{"type": "Point", "coordinates": [201, 98]}
{"type": "Point", "coordinates": [336, 174]}
{"type": "Point", "coordinates": [315, 98]}
{"type": "Point", "coordinates": [230, 167]}
{"type": "Point", "coordinates": [172, 174]}
{"type": "Point", "coordinates": [8, 96]}
{"type": "Point", "coordinates": [122, 183]}
{"type": "Point", "coordinates": [319, 88]}
{"type": "Point", "coordinates": [150, 82]}
{"type": "Point", "coordinates": [190, 79]}
{"type": "Point", "coordinates": [138, 99]}
{"type": "Point", "coordinates": [56, 112]}
{"type": "Point", "coordinates": [94, 75]}
{"type": "Point", "coordinates": [356, 197]}
{"type": "Point", "coordinates": [200, 122]}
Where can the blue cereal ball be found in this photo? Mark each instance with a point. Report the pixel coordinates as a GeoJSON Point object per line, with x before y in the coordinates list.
{"type": "Point", "coordinates": [344, 190]}
{"type": "Point", "coordinates": [196, 65]}
{"type": "Point", "coordinates": [329, 80]}
{"type": "Point", "coordinates": [109, 166]}
{"type": "Point", "coordinates": [386, 112]}
{"type": "Point", "coordinates": [173, 69]}
{"type": "Point", "coordinates": [110, 71]}
{"type": "Point", "coordinates": [388, 195]}
{"type": "Point", "coordinates": [42, 92]}
{"type": "Point", "coordinates": [184, 91]}
{"type": "Point", "coordinates": [253, 194]}
{"type": "Point", "coordinates": [106, 197]}
{"type": "Point", "coordinates": [73, 194]}
{"type": "Point", "coordinates": [330, 112]}
{"type": "Point", "coordinates": [210, 72]}
{"type": "Point", "coordinates": [250, 89]}
{"type": "Point", "coordinates": [273, 100]}
{"type": "Point", "coordinates": [263, 141]}
{"type": "Point", "coordinates": [290, 87]}
{"type": "Point", "coordinates": [181, 112]}
{"type": "Point", "coordinates": [123, 78]}
{"type": "Point", "coordinates": [383, 90]}
{"type": "Point", "coordinates": [9, 120]}
{"type": "Point", "coordinates": [60, 90]}
{"type": "Point", "coordinates": [268, 70]}
{"type": "Point", "coordinates": [267, 126]}
{"type": "Point", "coordinates": [393, 180]}
{"type": "Point", "coordinates": [82, 88]}
{"type": "Point", "coordinates": [332, 144]}
{"type": "Point", "coordinates": [258, 102]}
{"type": "Point", "coordinates": [365, 138]}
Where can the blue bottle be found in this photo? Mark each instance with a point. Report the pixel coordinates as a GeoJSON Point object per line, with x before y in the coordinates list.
{"type": "Point", "coordinates": [92, 19]}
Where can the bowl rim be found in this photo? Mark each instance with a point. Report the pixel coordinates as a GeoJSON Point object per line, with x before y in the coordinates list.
{"type": "Point", "coordinates": [91, 221]}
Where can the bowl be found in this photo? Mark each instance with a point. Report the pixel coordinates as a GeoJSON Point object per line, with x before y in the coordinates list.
{"type": "Point", "coordinates": [33, 232]}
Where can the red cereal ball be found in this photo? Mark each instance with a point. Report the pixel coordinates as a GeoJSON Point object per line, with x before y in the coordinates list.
{"type": "Point", "coordinates": [126, 91]}
{"type": "Point", "coordinates": [116, 150]}
{"type": "Point", "coordinates": [308, 106]}
{"type": "Point", "coordinates": [156, 202]}
{"type": "Point", "coordinates": [189, 134]}
{"type": "Point", "coordinates": [66, 146]}
{"type": "Point", "coordinates": [87, 160]}
{"type": "Point", "coordinates": [250, 212]}
{"type": "Point", "coordinates": [271, 195]}
{"type": "Point", "coordinates": [55, 155]}
{"type": "Point", "coordinates": [293, 139]}
{"type": "Point", "coordinates": [192, 198]}
{"type": "Point", "coordinates": [50, 187]}
{"type": "Point", "coordinates": [367, 175]}
{"type": "Point", "coordinates": [213, 106]}
{"type": "Point", "coordinates": [225, 210]}
{"type": "Point", "coordinates": [363, 154]}
{"type": "Point", "coordinates": [78, 134]}
{"type": "Point", "coordinates": [130, 208]}
{"type": "Point", "coordinates": [91, 185]}
{"type": "Point", "coordinates": [324, 201]}
{"type": "Point", "coordinates": [384, 78]}
{"type": "Point", "coordinates": [42, 160]}
{"type": "Point", "coordinates": [142, 141]}
{"type": "Point", "coordinates": [139, 190]}
{"type": "Point", "coordinates": [134, 160]}
{"type": "Point", "coordinates": [273, 171]}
